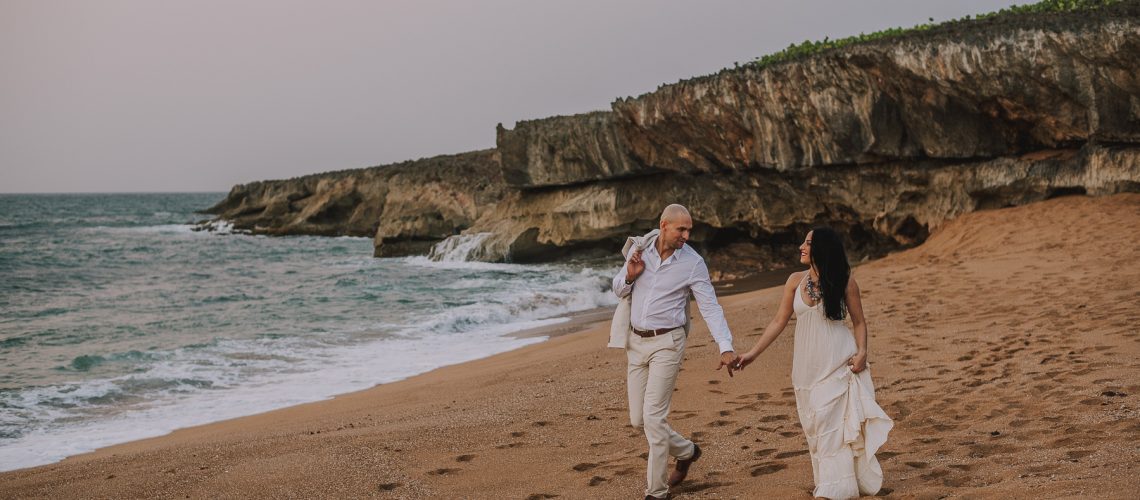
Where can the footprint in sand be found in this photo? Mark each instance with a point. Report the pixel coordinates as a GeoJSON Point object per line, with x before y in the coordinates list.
{"type": "Point", "coordinates": [768, 468]}
{"type": "Point", "coordinates": [518, 434]}
{"type": "Point", "coordinates": [695, 486]}
{"type": "Point", "coordinates": [789, 454]}
{"type": "Point", "coordinates": [584, 466]}
{"type": "Point", "coordinates": [389, 486]}
{"type": "Point", "coordinates": [765, 452]}
{"type": "Point", "coordinates": [541, 496]}
{"type": "Point", "coordinates": [596, 480]}
{"type": "Point", "coordinates": [1076, 455]}
{"type": "Point", "coordinates": [464, 458]}
{"type": "Point", "coordinates": [773, 418]}
{"type": "Point", "coordinates": [917, 465]}
{"type": "Point", "coordinates": [442, 472]}
{"type": "Point", "coordinates": [935, 474]}
{"type": "Point", "coordinates": [956, 482]}
{"type": "Point", "coordinates": [985, 450]}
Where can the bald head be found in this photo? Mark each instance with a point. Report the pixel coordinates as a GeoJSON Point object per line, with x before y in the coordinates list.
{"type": "Point", "coordinates": [675, 226]}
{"type": "Point", "coordinates": [675, 213]}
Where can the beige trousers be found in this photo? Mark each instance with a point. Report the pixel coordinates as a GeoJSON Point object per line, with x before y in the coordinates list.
{"type": "Point", "coordinates": [651, 376]}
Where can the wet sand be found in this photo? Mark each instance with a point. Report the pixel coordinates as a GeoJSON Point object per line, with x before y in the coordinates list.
{"type": "Point", "coordinates": [1006, 348]}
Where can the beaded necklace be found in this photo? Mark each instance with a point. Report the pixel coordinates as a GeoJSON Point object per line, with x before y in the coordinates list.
{"type": "Point", "coordinates": [812, 291]}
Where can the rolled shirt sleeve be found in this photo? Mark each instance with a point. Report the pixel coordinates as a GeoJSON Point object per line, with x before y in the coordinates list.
{"type": "Point", "coordinates": [702, 288]}
{"type": "Point", "coordinates": [621, 289]}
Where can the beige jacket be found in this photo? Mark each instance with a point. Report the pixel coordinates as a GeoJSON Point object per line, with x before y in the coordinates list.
{"type": "Point", "coordinates": [620, 328]}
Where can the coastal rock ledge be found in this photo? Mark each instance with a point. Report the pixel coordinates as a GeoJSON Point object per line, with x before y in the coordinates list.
{"type": "Point", "coordinates": [886, 140]}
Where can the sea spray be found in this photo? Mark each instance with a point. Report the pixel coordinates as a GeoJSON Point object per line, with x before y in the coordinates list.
{"type": "Point", "coordinates": [463, 248]}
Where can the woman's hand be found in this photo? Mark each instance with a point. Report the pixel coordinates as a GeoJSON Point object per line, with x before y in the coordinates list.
{"type": "Point", "coordinates": [746, 359]}
{"type": "Point", "coordinates": [858, 362]}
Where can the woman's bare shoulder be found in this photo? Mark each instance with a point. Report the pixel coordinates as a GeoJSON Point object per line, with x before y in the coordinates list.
{"type": "Point", "coordinates": [794, 278]}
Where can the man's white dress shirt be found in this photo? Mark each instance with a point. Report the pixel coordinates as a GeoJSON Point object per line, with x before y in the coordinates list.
{"type": "Point", "coordinates": [660, 293]}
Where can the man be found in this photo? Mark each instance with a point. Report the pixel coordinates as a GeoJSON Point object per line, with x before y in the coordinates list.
{"type": "Point", "coordinates": [660, 276]}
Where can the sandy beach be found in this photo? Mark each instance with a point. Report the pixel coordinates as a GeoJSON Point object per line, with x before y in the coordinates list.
{"type": "Point", "coordinates": [1006, 349]}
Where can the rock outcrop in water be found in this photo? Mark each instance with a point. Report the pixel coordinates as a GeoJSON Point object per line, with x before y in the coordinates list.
{"type": "Point", "coordinates": [407, 207]}
{"type": "Point", "coordinates": [886, 140]}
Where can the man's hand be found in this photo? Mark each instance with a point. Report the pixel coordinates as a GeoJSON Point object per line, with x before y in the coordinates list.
{"type": "Point", "coordinates": [729, 359]}
{"type": "Point", "coordinates": [635, 267]}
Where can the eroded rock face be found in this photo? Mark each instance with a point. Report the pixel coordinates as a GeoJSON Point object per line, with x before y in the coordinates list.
{"type": "Point", "coordinates": [751, 221]}
{"type": "Point", "coordinates": [975, 91]}
{"type": "Point", "coordinates": [406, 207]}
{"type": "Point", "coordinates": [565, 150]}
{"type": "Point", "coordinates": [884, 141]}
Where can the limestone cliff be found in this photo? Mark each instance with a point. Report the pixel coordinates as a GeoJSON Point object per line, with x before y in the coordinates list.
{"type": "Point", "coordinates": [406, 207]}
{"type": "Point", "coordinates": [976, 90]}
{"type": "Point", "coordinates": [886, 140]}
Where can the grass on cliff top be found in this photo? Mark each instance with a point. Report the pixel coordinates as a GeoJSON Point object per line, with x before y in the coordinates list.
{"type": "Point", "coordinates": [807, 48]}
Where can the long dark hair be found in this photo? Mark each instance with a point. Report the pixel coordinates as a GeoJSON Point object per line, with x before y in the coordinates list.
{"type": "Point", "coordinates": [830, 260]}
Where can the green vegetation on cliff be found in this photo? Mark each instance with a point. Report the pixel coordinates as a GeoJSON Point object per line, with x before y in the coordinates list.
{"type": "Point", "coordinates": [807, 47]}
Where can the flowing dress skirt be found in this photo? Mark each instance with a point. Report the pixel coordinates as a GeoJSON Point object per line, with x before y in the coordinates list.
{"type": "Point", "coordinates": [837, 409]}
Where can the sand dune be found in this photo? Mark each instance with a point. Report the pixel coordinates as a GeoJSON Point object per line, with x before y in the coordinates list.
{"type": "Point", "coordinates": [1006, 348]}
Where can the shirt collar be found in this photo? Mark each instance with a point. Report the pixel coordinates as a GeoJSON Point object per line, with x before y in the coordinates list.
{"type": "Point", "coordinates": [676, 255]}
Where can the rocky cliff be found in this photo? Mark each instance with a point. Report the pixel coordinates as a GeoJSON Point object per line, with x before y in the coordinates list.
{"type": "Point", "coordinates": [406, 207]}
{"type": "Point", "coordinates": [886, 140]}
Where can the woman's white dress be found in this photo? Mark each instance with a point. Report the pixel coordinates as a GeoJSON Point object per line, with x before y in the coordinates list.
{"type": "Point", "coordinates": [843, 423]}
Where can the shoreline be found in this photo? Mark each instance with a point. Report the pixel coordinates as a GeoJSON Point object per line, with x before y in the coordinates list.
{"type": "Point", "coordinates": [576, 322]}
{"type": "Point", "coordinates": [969, 379]}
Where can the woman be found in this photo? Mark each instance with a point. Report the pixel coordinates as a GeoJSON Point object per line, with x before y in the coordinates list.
{"type": "Point", "coordinates": [834, 395]}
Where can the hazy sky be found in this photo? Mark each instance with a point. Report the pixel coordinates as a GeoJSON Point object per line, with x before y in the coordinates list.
{"type": "Point", "coordinates": [158, 95]}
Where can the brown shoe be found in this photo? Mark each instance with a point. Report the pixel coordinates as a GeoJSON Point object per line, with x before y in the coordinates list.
{"type": "Point", "coordinates": [651, 497]}
{"type": "Point", "coordinates": [682, 468]}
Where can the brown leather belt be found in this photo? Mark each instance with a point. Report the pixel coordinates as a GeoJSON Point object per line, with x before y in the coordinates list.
{"type": "Point", "coordinates": [653, 333]}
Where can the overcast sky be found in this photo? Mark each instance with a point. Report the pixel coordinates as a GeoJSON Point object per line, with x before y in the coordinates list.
{"type": "Point", "coordinates": [157, 95]}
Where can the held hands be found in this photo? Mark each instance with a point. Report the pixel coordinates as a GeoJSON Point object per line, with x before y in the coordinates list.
{"type": "Point", "coordinates": [746, 359]}
{"type": "Point", "coordinates": [635, 267]}
{"type": "Point", "coordinates": [858, 362]}
{"type": "Point", "coordinates": [729, 359]}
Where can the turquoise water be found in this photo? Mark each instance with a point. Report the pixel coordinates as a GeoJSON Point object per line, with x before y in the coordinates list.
{"type": "Point", "coordinates": [118, 322]}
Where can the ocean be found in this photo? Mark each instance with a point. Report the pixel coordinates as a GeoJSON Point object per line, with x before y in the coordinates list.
{"type": "Point", "coordinates": [118, 322]}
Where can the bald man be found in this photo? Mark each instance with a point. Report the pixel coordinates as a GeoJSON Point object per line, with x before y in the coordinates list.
{"type": "Point", "coordinates": [660, 278]}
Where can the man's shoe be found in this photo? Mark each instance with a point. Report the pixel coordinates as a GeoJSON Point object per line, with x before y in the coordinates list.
{"type": "Point", "coordinates": [682, 468]}
{"type": "Point", "coordinates": [651, 497]}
